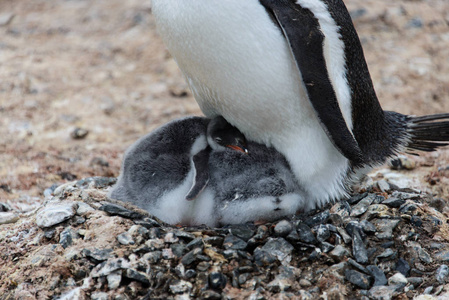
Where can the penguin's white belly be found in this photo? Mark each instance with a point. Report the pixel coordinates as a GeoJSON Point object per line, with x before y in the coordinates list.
{"type": "Point", "coordinates": [248, 75]}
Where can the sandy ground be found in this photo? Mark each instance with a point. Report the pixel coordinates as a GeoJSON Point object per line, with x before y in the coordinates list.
{"type": "Point", "coordinates": [100, 66]}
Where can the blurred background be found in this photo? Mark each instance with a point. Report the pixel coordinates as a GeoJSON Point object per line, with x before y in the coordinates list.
{"type": "Point", "coordinates": [80, 80]}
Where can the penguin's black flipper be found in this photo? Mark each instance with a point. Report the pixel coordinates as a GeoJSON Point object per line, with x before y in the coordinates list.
{"type": "Point", "coordinates": [303, 34]}
{"type": "Point", "coordinates": [201, 166]}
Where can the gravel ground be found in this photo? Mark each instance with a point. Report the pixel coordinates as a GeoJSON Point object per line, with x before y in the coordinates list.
{"type": "Point", "coordinates": [82, 80]}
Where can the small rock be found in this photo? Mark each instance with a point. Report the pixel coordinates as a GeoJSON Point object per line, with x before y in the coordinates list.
{"type": "Point", "coordinates": [195, 243]}
{"type": "Point", "coordinates": [210, 295]}
{"type": "Point", "coordinates": [376, 211]}
{"type": "Point", "coordinates": [394, 202]}
{"type": "Point", "coordinates": [442, 256]}
{"type": "Point", "coordinates": [346, 238]}
{"type": "Point", "coordinates": [217, 281]}
{"type": "Point", "coordinates": [99, 296]}
{"type": "Point", "coordinates": [382, 292]}
{"type": "Point", "coordinates": [117, 210]}
{"type": "Point", "coordinates": [234, 243]}
{"type": "Point", "coordinates": [97, 254]}
{"type": "Point", "coordinates": [385, 228]}
{"type": "Point", "coordinates": [320, 218]}
{"type": "Point", "coordinates": [387, 254]}
{"type": "Point", "coordinates": [96, 182]}
{"type": "Point", "coordinates": [55, 214]}
{"type": "Point", "coordinates": [305, 234]}
{"type": "Point", "coordinates": [114, 279]}
{"type": "Point", "coordinates": [357, 266]}
{"type": "Point", "coordinates": [359, 279]}
{"type": "Point", "coordinates": [341, 208]}
{"type": "Point", "coordinates": [397, 279]}
{"type": "Point", "coordinates": [367, 227]}
{"type": "Point", "coordinates": [378, 275]}
{"type": "Point", "coordinates": [358, 249]}
{"type": "Point", "coordinates": [326, 247]}
{"type": "Point", "coordinates": [442, 274]}
{"type": "Point", "coordinates": [79, 133]}
{"type": "Point", "coordinates": [8, 217]}
{"type": "Point", "coordinates": [190, 257]}
{"type": "Point", "coordinates": [283, 228]}
{"type": "Point", "coordinates": [283, 281]}
{"type": "Point", "coordinates": [138, 276]}
{"type": "Point", "coordinates": [403, 267]}
{"type": "Point", "coordinates": [339, 253]}
{"type": "Point", "coordinates": [67, 236]}
{"type": "Point", "coordinates": [305, 283]}
{"type": "Point", "coordinates": [245, 232]}
{"type": "Point", "coordinates": [180, 286]}
{"type": "Point", "coordinates": [356, 198]}
{"type": "Point", "coordinates": [278, 247]}
{"type": "Point", "coordinates": [99, 161]}
{"type": "Point", "coordinates": [322, 232]}
{"type": "Point", "coordinates": [415, 280]}
{"type": "Point", "coordinates": [402, 163]}
{"type": "Point", "coordinates": [125, 239]}
{"type": "Point", "coordinates": [109, 266]}
{"type": "Point", "coordinates": [6, 18]}
{"type": "Point", "coordinates": [83, 208]}
{"type": "Point", "coordinates": [215, 241]}
{"type": "Point", "coordinates": [170, 238]}
{"type": "Point", "coordinates": [383, 185]}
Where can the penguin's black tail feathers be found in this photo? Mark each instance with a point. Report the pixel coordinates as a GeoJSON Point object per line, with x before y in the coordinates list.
{"type": "Point", "coordinates": [427, 133]}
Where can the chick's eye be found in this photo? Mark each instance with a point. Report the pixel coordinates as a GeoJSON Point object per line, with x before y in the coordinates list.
{"type": "Point", "coordinates": [218, 139]}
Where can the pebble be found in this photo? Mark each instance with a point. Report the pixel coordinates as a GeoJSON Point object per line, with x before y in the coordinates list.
{"type": "Point", "coordinates": [125, 239]}
{"type": "Point", "coordinates": [403, 267]}
{"type": "Point", "coordinates": [234, 243]}
{"type": "Point", "coordinates": [362, 206]}
{"type": "Point", "coordinates": [339, 253]}
{"type": "Point", "coordinates": [358, 248]}
{"type": "Point", "coordinates": [55, 214]}
{"type": "Point", "coordinates": [243, 232]}
{"type": "Point", "coordinates": [79, 133]}
{"type": "Point", "coordinates": [111, 265]}
{"type": "Point", "coordinates": [8, 217]}
{"type": "Point", "coordinates": [388, 254]}
{"type": "Point", "coordinates": [283, 281]}
{"type": "Point", "coordinates": [83, 208]}
{"type": "Point", "coordinates": [385, 228]}
{"type": "Point", "coordinates": [305, 234]}
{"type": "Point", "coordinates": [217, 281]}
{"type": "Point", "coordinates": [322, 232]}
{"type": "Point", "coordinates": [378, 275]}
{"type": "Point", "coordinates": [6, 18]}
{"type": "Point", "coordinates": [397, 279]}
{"type": "Point", "coordinates": [394, 202]}
{"type": "Point", "coordinates": [356, 198]}
{"type": "Point", "coordinates": [114, 279]}
{"type": "Point", "coordinates": [442, 256]}
{"type": "Point", "coordinates": [97, 254]}
{"type": "Point", "coordinates": [320, 218]}
{"type": "Point", "coordinates": [442, 273]}
{"type": "Point", "coordinates": [283, 228]}
{"type": "Point", "coordinates": [118, 210]}
{"type": "Point", "coordinates": [180, 286]}
{"type": "Point", "coordinates": [67, 236]}
{"type": "Point", "coordinates": [382, 292]}
{"type": "Point", "coordinates": [136, 275]}
{"type": "Point", "coordinates": [279, 248]}
{"type": "Point", "coordinates": [99, 296]}
{"type": "Point", "coordinates": [359, 279]}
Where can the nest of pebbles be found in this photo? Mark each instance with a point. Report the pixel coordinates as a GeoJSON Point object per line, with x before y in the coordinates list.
{"type": "Point", "coordinates": [380, 244]}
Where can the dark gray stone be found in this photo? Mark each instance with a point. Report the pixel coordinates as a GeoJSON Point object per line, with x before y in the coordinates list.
{"type": "Point", "coordinates": [97, 254]}
{"type": "Point", "coordinates": [217, 281]}
{"type": "Point", "coordinates": [378, 275]}
{"type": "Point", "coordinates": [394, 202]}
{"type": "Point", "coordinates": [305, 234]}
{"type": "Point", "coordinates": [322, 232]}
{"type": "Point", "coordinates": [244, 232]}
{"type": "Point", "coordinates": [403, 267]}
{"type": "Point", "coordinates": [196, 243]}
{"type": "Point", "coordinates": [356, 198]}
{"type": "Point", "coordinates": [359, 279]}
{"type": "Point", "coordinates": [320, 218]}
{"type": "Point", "coordinates": [358, 249]}
{"type": "Point", "coordinates": [137, 276]}
{"type": "Point", "coordinates": [234, 243]}
{"type": "Point", "coordinates": [96, 182]}
{"type": "Point", "coordinates": [190, 257]}
{"type": "Point", "coordinates": [368, 227]}
{"type": "Point", "coordinates": [216, 241]}
{"type": "Point", "coordinates": [67, 236]}
{"type": "Point", "coordinates": [358, 266]}
{"type": "Point", "coordinates": [117, 210]}
{"type": "Point", "coordinates": [387, 254]}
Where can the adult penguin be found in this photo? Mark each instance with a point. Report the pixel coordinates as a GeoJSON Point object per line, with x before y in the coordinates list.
{"type": "Point", "coordinates": [291, 74]}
